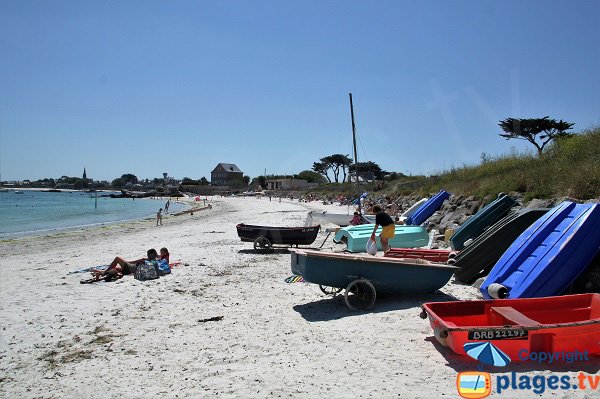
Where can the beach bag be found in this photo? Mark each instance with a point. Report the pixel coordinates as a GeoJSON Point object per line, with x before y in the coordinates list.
{"type": "Point", "coordinates": [163, 267]}
{"type": "Point", "coordinates": [147, 271]}
{"type": "Point", "coordinates": [371, 247]}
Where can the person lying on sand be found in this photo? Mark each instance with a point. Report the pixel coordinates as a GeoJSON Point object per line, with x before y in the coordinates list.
{"type": "Point", "coordinates": [119, 267]}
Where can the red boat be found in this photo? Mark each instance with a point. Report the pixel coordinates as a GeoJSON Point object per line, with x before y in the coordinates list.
{"type": "Point", "coordinates": [432, 255]}
{"type": "Point", "coordinates": [519, 327]}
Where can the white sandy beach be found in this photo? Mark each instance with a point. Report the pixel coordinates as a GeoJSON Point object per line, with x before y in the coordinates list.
{"type": "Point", "coordinates": [132, 339]}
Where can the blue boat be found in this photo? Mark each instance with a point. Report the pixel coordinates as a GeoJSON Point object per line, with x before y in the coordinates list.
{"type": "Point", "coordinates": [549, 255]}
{"type": "Point", "coordinates": [483, 219]}
{"type": "Point", "coordinates": [356, 237]}
{"type": "Point", "coordinates": [362, 276]}
{"type": "Point", "coordinates": [428, 208]}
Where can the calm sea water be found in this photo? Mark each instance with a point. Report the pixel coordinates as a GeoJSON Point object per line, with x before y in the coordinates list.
{"type": "Point", "coordinates": [35, 212]}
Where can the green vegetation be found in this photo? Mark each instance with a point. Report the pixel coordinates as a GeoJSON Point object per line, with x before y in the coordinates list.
{"type": "Point", "coordinates": [570, 166]}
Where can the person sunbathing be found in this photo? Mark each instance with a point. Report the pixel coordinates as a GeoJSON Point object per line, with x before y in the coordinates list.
{"type": "Point", "coordinates": [120, 267]}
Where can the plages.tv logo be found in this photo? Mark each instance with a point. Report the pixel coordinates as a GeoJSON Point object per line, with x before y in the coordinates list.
{"type": "Point", "coordinates": [474, 384]}
{"type": "Point", "coordinates": [478, 384]}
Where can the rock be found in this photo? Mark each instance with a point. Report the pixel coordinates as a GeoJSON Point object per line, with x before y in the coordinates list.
{"type": "Point", "coordinates": [540, 203]}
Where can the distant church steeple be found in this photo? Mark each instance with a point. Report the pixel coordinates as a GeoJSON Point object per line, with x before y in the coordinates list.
{"type": "Point", "coordinates": [84, 174]}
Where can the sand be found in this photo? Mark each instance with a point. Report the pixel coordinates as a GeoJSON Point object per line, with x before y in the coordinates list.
{"type": "Point", "coordinates": [223, 324]}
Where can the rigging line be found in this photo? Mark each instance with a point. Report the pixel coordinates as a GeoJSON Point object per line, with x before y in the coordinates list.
{"type": "Point", "coordinates": [363, 150]}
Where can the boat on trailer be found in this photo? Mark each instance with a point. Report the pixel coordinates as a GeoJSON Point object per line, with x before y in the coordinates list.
{"type": "Point", "coordinates": [264, 237]}
{"type": "Point", "coordinates": [561, 324]}
{"type": "Point", "coordinates": [363, 276]}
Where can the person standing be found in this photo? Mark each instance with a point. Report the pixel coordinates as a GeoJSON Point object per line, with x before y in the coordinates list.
{"type": "Point", "coordinates": [159, 217]}
{"type": "Point", "coordinates": [388, 227]}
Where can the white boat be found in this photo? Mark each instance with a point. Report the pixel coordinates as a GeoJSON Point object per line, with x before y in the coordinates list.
{"type": "Point", "coordinates": [343, 219]}
{"type": "Point", "coordinates": [317, 217]}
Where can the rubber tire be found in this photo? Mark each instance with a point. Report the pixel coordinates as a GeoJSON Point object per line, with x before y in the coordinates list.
{"type": "Point", "coordinates": [262, 244]}
{"type": "Point", "coordinates": [360, 295]}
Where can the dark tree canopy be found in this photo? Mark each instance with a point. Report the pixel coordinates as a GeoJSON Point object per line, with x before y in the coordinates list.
{"type": "Point", "coordinates": [311, 176]}
{"type": "Point", "coordinates": [322, 168]}
{"type": "Point", "coordinates": [337, 162]}
{"type": "Point", "coordinates": [364, 168]}
{"type": "Point", "coordinates": [538, 131]}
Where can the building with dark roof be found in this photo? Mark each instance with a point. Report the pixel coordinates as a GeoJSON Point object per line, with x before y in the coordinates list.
{"type": "Point", "coordinates": [224, 173]}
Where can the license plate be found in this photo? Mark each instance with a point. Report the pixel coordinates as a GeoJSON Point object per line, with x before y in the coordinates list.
{"type": "Point", "coordinates": [498, 333]}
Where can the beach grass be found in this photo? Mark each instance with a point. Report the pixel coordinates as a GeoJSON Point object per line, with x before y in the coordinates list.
{"type": "Point", "coordinates": [569, 168]}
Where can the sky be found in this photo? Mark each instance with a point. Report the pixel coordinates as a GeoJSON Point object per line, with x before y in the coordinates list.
{"type": "Point", "coordinates": [147, 87]}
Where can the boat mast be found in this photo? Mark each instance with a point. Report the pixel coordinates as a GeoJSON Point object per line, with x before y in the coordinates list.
{"type": "Point", "coordinates": [355, 155]}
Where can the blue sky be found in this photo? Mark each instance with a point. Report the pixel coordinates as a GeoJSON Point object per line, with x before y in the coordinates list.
{"type": "Point", "coordinates": [147, 87]}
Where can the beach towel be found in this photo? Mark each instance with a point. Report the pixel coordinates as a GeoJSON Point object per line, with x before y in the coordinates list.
{"type": "Point", "coordinates": [294, 279]}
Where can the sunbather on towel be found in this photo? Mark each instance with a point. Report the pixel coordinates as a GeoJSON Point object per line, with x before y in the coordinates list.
{"type": "Point", "coordinates": [120, 267]}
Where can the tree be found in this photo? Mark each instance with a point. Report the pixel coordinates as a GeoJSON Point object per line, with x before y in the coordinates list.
{"type": "Point", "coordinates": [312, 177]}
{"type": "Point", "coordinates": [203, 181]}
{"type": "Point", "coordinates": [322, 168]}
{"type": "Point", "coordinates": [337, 162]}
{"type": "Point", "coordinates": [117, 183]}
{"type": "Point", "coordinates": [188, 182]}
{"type": "Point", "coordinates": [543, 129]}
{"type": "Point", "coordinates": [129, 178]}
{"type": "Point", "coordinates": [365, 167]}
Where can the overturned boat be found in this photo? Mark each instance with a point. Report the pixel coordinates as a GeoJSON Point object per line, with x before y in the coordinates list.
{"type": "Point", "coordinates": [549, 255]}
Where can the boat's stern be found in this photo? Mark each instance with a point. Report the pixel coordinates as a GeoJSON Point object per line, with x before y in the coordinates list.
{"type": "Point", "coordinates": [297, 262]}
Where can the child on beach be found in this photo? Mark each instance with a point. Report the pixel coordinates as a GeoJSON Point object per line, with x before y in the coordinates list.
{"type": "Point", "coordinates": [356, 220]}
{"type": "Point", "coordinates": [159, 217]}
{"type": "Point", "coordinates": [388, 227]}
{"type": "Point", "coordinates": [163, 262]}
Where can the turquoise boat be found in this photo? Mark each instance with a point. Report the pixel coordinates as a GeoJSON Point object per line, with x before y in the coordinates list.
{"type": "Point", "coordinates": [549, 255]}
{"type": "Point", "coordinates": [363, 276]}
{"type": "Point", "coordinates": [483, 219]}
{"type": "Point", "coordinates": [356, 237]}
{"type": "Point", "coordinates": [428, 208]}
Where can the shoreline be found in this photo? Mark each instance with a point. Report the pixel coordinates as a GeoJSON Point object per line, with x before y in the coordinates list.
{"type": "Point", "coordinates": [186, 202]}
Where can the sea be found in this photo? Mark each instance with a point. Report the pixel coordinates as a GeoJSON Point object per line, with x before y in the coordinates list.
{"type": "Point", "coordinates": [29, 212]}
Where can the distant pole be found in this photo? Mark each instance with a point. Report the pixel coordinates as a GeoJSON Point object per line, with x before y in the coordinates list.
{"type": "Point", "coordinates": [355, 155]}
{"type": "Point", "coordinates": [96, 201]}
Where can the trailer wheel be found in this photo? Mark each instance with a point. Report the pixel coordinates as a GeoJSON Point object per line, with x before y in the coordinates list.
{"type": "Point", "coordinates": [360, 294]}
{"type": "Point", "coordinates": [262, 244]}
{"type": "Point", "coordinates": [330, 290]}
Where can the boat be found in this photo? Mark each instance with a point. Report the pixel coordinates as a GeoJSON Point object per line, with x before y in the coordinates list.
{"type": "Point", "coordinates": [547, 257]}
{"type": "Point", "coordinates": [264, 237]}
{"type": "Point", "coordinates": [343, 219]}
{"type": "Point", "coordinates": [519, 327]}
{"type": "Point", "coordinates": [363, 276]}
{"type": "Point", "coordinates": [356, 237]}
{"type": "Point", "coordinates": [427, 209]}
{"type": "Point", "coordinates": [431, 255]}
{"type": "Point", "coordinates": [18, 192]}
{"type": "Point", "coordinates": [477, 259]}
{"type": "Point", "coordinates": [340, 219]}
{"type": "Point", "coordinates": [476, 224]}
